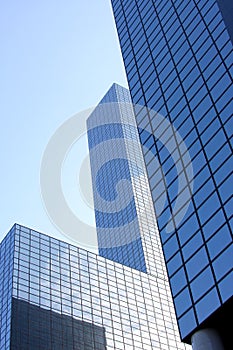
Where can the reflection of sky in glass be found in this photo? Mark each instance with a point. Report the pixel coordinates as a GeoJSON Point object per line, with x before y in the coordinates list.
{"type": "Point", "coordinates": [181, 66]}
{"type": "Point", "coordinates": [130, 305]}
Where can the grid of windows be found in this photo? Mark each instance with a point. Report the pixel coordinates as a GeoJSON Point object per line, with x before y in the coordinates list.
{"type": "Point", "coordinates": [6, 274]}
{"type": "Point", "coordinates": [67, 298]}
{"type": "Point", "coordinates": [39, 328]}
{"type": "Point", "coordinates": [179, 61]}
{"type": "Point", "coordinates": [117, 224]}
{"type": "Point", "coordinates": [128, 235]}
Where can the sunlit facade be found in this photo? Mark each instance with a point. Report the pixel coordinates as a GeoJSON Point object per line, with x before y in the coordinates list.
{"type": "Point", "coordinates": [178, 57]}
{"type": "Point", "coordinates": [116, 210]}
{"type": "Point", "coordinates": [126, 225]}
{"type": "Point", "coordinates": [58, 296]}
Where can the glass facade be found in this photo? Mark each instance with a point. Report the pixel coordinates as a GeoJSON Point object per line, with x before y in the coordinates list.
{"type": "Point", "coordinates": [111, 165]}
{"type": "Point", "coordinates": [126, 225]}
{"type": "Point", "coordinates": [179, 62]}
{"type": "Point", "coordinates": [58, 296]}
{"type": "Point", "coordinates": [6, 284]}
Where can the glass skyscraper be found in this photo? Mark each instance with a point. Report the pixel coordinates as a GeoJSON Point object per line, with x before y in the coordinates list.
{"type": "Point", "coordinates": [118, 231]}
{"type": "Point", "coordinates": [58, 296]}
{"type": "Point", "coordinates": [126, 226]}
{"type": "Point", "coordinates": [178, 57]}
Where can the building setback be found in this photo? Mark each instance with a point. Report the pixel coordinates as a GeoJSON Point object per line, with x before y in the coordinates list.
{"type": "Point", "coordinates": [58, 296]}
{"type": "Point", "coordinates": [178, 57]}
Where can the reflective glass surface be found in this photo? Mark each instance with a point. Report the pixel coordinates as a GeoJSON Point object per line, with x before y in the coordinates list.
{"type": "Point", "coordinates": [126, 225]}
{"type": "Point", "coordinates": [64, 297]}
{"type": "Point", "coordinates": [6, 280]}
{"type": "Point", "coordinates": [178, 57]}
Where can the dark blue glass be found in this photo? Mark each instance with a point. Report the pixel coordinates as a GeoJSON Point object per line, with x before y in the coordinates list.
{"type": "Point", "coordinates": [190, 57]}
{"type": "Point", "coordinates": [183, 302]}
{"type": "Point", "coordinates": [219, 241]}
{"type": "Point", "coordinates": [193, 244]}
{"type": "Point", "coordinates": [178, 281]}
{"type": "Point", "coordinates": [197, 263]}
{"type": "Point", "coordinates": [207, 305]}
{"type": "Point", "coordinates": [187, 323]}
{"type": "Point", "coordinates": [223, 264]}
{"type": "Point", "coordinates": [225, 287]}
{"type": "Point", "coordinates": [202, 283]}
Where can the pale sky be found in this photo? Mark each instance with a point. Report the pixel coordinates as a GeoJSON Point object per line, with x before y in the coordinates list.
{"type": "Point", "coordinates": [57, 59]}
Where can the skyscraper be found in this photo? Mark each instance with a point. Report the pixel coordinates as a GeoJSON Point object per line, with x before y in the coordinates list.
{"type": "Point", "coordinates": [126, 226]}
{"type": "Point", "coordinates": [178, 57]}
{"type": "Point", "coordinates": [118, 231]}
{"type": "Point", "coordinates": [58, 296]}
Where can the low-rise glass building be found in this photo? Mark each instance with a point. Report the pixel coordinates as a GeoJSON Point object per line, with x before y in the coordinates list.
{"type": "Point", "coordinates": [57, 296]}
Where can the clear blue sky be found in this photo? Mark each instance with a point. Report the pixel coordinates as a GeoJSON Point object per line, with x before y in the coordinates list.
{"type": "Point", "coordinates": [57, 58]}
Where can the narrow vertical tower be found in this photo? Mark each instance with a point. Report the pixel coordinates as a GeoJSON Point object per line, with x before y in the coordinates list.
{"type": "Point", "coordinates": [126, 225]}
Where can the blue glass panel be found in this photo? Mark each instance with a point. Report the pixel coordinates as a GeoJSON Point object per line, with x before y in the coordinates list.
{"type": "Point", "coordinates": [104, 132]}
{"type": "Point", "coordinates": [208, 208]}
{"type": "Point", "coordinates": [163, 218]}
{"type": "Point", "coordinates": [229, 208]}
{"type": "Point", "coordinates": [116, 219]}
{"type": "Point", "coordinates": [207, 305]}
{"type": "Point", "coordinates": [223, 263]}
{"type": "Point", "coordinates": [197, 263]}
{"type": "Point", "coordinates": [220, 87]}
{"type": "Point", "coordinates": [219, 241]}
{"type": "Point", "coordinates": [150, 142]}
{"type": "Point", "coordinates": [174, 264]}
{"type": "Point", "coordinates": [212, 51]}
{"type": "Point", "coordinates": [214, 77]}
{"type": "Point", "coordinates": [225, 287]}
{"type": "Point", "coordinates": [226, 113]}
{"type": "Point", "coordinates": [194, 146]}
{"type": "Point", "coordinates": [193, 245]}
{"type": "Point", "coordinates": [199, 179]}
{"type": "Point", "coordinates": [173, 188]}
{"type": "Point", "coordinates": [125, 254]}
{"type": "Point", "coordinates": [220, 157]}
{"type": "Point", "coordinates": [157, 192]}
{"type": "Point", "coordinates": [198, 162]}
{"type": "Point", "coordinates": [170, 247]}
{"type": "Point", "coordinates": [202, 108]}
{"type": "Point", "coordinates": [223, 172]}
{"type": "Point", "coordinates": [204, 192]}
{"type": "Point", "coordinates": [225, 98]}
{"type": "Point", "coordinates": [212, 128]}
{"type": "Point", "coordinates": [171, 174]}
{"type": "Point", "coordinates": [183, 123]}
{"type": "Point", "coordinates": [226, 189]}
{"type": "Point", "coordinates": [229, 127]}
{"type": "Point", "coordinates": [187, 229]}
{"type": "Point", "coordinates": [183, 302]}
{"type": "Point", "coordinates": [213, 224]}
{"type": "Point", "coordinates": [202, 283]}
{"type": "Point", "coordinates": [187, 323]}
{"type": "Point", "coordinates": [178, 281]}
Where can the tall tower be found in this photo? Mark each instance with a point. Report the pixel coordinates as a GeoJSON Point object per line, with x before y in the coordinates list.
{"type": "Point", "coordinates": [57, 296]}
{"type": "Point", "coordinates": [178, 57]}
{"type": "Point", "coordinates": [126, 225]}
